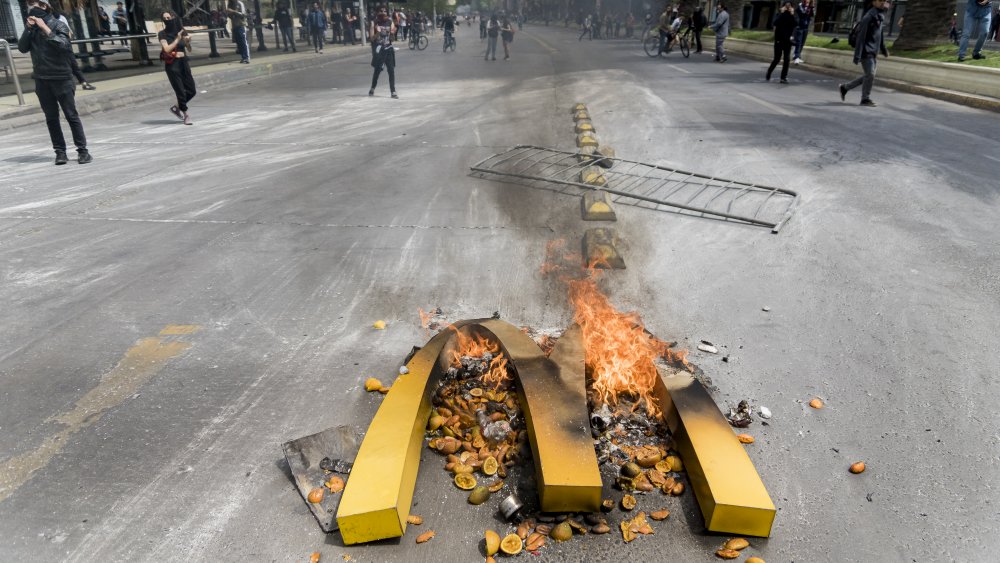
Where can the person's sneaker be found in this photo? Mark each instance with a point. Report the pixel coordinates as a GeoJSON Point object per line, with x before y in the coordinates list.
{"type": "Point", "coordinates": [843, 93]}
{"type": "Point", "coordinates": [61, 158]}
{"type": "Point", "coordinates": [767, 78]}
{"type": "Point", "coordinates": [176, 111]}
{"type": "Point", "coordinates": [89, 86]}
{"type": "Point", "coordinates": [371, 92]}
{"type": "Point", "coordinates": [797, 60]}
{"type": "Point", "coordinates": [961, 59]}
{"type": "Point", "coordinates": [784, 81]}
{"type": "Point", "coordinates": [83, 157]}
{"type": "Point", "coordinates": [978, 56]}
{"type": "Point", "coordinates": [395, 96]}
{"type": "Point", "coordinates": [868, 103]}
{"type": "Point", "coordinates": [187, 119]}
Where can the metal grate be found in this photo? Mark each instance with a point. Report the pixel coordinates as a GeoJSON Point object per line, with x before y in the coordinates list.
{"type": "Point", "coordinates": [646, 185]}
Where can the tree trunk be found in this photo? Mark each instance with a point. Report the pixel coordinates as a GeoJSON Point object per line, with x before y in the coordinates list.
{"type": "Point", "coordinates": [735, 9]}
{"type": "Point", "coordinates": [925, 24]}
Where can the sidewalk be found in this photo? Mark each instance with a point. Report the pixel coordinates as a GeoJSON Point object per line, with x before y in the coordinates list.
{"type": "Point", "coordinates": [128, 82]}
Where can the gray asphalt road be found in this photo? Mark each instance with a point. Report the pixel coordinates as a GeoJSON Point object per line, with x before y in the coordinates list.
{"type": "Point", "coordinates": [176, 310]}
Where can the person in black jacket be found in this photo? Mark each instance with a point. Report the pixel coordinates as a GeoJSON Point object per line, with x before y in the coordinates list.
{"type": "Point", "coordinates": [47, 39]}
{"type": "Point", "coordinates": [283, 17]}
{"type": "Point", "coordinates": [784, 28]}
{"type": "Point", "coordinates": [698, 23]}
{"type": "Point", "coordinates": [868, 46]}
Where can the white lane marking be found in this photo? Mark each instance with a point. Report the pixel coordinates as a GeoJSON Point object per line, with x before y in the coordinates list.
{"type": "Point", "coordinates": [675, 67]}
{"type": "Point", "coordinates": [993, 158]}
{"type": "Point", "coordinates": [769, 105]}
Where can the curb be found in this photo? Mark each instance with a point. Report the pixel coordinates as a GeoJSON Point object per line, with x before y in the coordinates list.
{"type": "Point", "coordinates": [841, 65]}
{"type": "Point", "coordinates": [123, 92]}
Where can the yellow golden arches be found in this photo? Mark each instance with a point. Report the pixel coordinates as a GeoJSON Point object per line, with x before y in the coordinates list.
{"type": "Point", "coordinates": [380, 491]}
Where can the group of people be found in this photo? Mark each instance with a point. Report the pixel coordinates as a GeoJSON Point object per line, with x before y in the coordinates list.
{"type": "Point", "coordinates": [609, 27]}
{"type": "Point", "coordinates": [494, 28]}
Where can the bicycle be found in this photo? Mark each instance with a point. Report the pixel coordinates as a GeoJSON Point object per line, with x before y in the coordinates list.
{"type": "Point", "coordinates": [651, 44]}
{"type": "Point", "coordinates": [449, 42]}
{"type": "Point", "coordinates": [685, 42]}
{"type": "Point", "coordinates": [417, 40]}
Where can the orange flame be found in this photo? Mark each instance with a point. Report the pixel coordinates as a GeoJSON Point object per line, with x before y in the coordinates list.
{"type": "Point", "coordinates": [497, 374]}
{"type": "Point", "coordinates": [425, 318]}
{"type": "Point", "coordinates": [620, 354]}
{"type": "Point", "coordinates": [474, 346]}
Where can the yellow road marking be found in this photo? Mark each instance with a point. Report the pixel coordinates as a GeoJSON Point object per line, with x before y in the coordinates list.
{"type": "Point", "coordinates": [179, 329]}
{"type": "Point", "coordinates": [544, 44]}
{"type": "Point", "coordinates": [139, 364]}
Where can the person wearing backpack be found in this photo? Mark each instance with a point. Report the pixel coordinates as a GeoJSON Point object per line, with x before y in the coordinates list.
{"type": "Point", "coordinates": [507, 34]}
{"type": "Point", "coordinates": [867, 45]}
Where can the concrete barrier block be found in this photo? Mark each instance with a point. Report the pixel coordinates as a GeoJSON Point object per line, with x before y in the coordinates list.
{"type": "Point", "coordinates": [597, 206]}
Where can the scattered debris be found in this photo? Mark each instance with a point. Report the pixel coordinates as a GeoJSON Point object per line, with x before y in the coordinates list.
{"type": "Point", "coordinates": [754, 560]}
{"type": "Point", "coordinates": [741, 416]}
{"type": "Point", "coordinates": [766, 309]}
{"type": "Point", "coordinates": [414, 519]}
{"type": "Point", "coordinates": [857, 467]}
{"type": "Point", "coordinates": [335, 484]}
{"type": "Point", "coordinates": [869, 496]}
{"type": "Point", "coordinates": [433, 319]}
{"type": "Point", "coordinates": [660, 514]}
{"type": "Point", "coordinates": [379, 325]}
{"type": "Point", "coordinates": [314, 558]}
{"type": "Point", "coordinates": [341, 466]}
{"type": "Point", "coordinates": [737, 544]}
{"type": "Point", "coordinates": [511, 545]}
{"type": "Point", "coordinates": [425, 537]}
{"type": "Point", "coordinates": [706, 346]}
{"type": "Point", "coordinates": [816, 403]}
{"type": "Point", "coordinates": [492, 542]}
{"type": "Point", "coordinates": [561, 532]}
{"type": "Point", "coordinates": [745, 438]}
{"type": "Point", "coordinates": [316, 495]}
{"type": "Point", "coordinates": [403, 370]}
{"type": "Point", "coordinates": [372, 384]}
{"type": "Point", "coordinates": [727, 553]}
{"type": "Point", "coordinates": [765, 412]}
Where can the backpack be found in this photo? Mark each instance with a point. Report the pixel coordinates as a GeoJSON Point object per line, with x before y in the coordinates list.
{"type": "Point", "coordinates": [852, 37]}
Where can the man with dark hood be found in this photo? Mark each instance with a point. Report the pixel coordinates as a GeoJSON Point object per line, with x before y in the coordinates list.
{"type": "Point", "coordinates": [47, 39]}
{"type": "Point", "coordinates": [867, 47]}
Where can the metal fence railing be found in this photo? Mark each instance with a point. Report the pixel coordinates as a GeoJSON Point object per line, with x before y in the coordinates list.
{"type": "Point", "coordinates": [5, 50]}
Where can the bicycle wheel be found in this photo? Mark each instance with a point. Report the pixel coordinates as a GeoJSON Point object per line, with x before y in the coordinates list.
{"type": "Point", "coordinates": [453, 44]}
{"type": "Point", "coordinates": [652, 46]}
{"type": "Point", "coordinates": [422, 42]}
{"type": "Point", "coordinates": [685, 47]}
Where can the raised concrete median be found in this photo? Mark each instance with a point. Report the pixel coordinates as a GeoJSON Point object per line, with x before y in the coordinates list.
{"type": "Point", "coordinates": [973, 86]}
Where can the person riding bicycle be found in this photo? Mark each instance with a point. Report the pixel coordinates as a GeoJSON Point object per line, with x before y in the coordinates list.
{"type": "Point", "coordinates": [448, 23]}
{"type": "Point", "coordinates": [416, 27]}
{"type": "Point", "coordinates": [667, 31]}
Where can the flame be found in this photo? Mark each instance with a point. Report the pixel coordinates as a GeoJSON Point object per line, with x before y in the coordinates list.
{"type": "Point", "coordinates": [497, 374]}
{"type": "Point", "coordinates": [620, 354]}
{"type": "Point", "coordinates": [425, 318]}
{"type": "Point", "coordinates": [474, 346]}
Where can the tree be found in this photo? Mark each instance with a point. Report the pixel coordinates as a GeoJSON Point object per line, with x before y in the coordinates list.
{"type": "Point", "coordinates": [926, 24]}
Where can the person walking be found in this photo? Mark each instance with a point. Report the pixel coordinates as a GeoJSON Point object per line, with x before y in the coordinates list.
{"type": "Point", "coordinates": [507, 35]}
{"type": "Point", "coordinates": [482, 29]}
{"type": "Point", "coordinates": [977, 22]}
{"type": "Point", "coordinates": [721, 29]}
{"type": "Point", "coordinates": [868, 46]}
{"type": "Point", "coordinates": [237, 14]}
{"type": "Point", "coordinates": [784, 30]}
{"type": "Point", "coordinates": [698, 23]}
{"type": "Point", "coordinates": [47, 39]}
{"type": "Point", "coordinates": [317, 26]}
{"type": "Point", "coordinates": [383, 53]}
{"type": "Point", "coordinates": [173, 45]}
{"type": "Point", "coordinates": [804, 14]}
{"type": "Point", "coordinates": [283, 18]}
{"type": "Point", "coordinates": [492, 32]}
{"type": "Point", "coordinates": [586, 29]}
